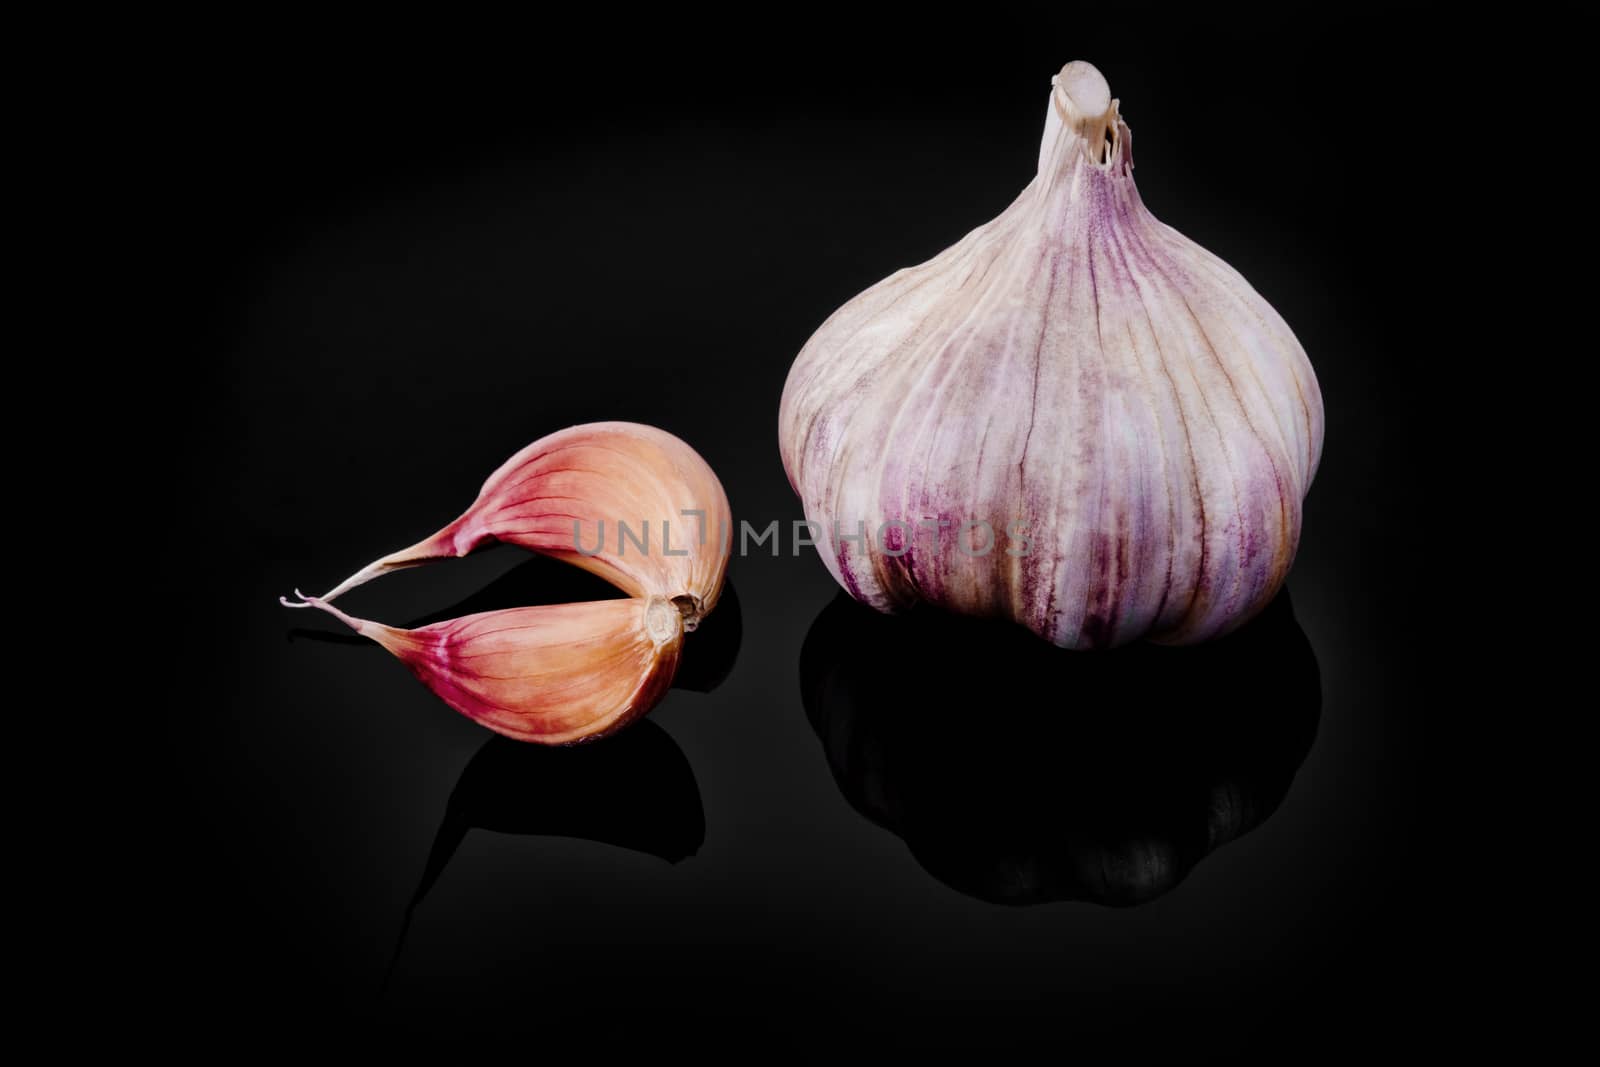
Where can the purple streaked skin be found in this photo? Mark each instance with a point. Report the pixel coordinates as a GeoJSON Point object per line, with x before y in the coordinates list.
{"type": "Point", "coordinates": [1079, 365]}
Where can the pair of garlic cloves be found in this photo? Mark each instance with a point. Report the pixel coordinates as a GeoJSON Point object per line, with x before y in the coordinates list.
{"type": "Point", "coordinates": [561, 673]}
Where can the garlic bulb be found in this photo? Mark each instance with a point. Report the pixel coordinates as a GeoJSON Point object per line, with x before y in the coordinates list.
{"type": "Point", "coordinates": [1075, 417]}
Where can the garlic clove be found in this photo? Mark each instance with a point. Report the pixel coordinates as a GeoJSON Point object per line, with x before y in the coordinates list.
{"type": "Point", "coordinates": [631, 503]}
{"type": "Point", "coordinates": [1078, 371]}
{"type": "Point", "coordinates": [553, 674]}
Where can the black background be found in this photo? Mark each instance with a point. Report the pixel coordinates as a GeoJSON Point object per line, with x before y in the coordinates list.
{"type": "Point", "coordinates": [396, 263]}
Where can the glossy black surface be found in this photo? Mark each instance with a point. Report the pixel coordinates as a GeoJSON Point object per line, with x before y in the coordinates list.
{"type": "Point", "coordinates": [1108, 781]}
{"type": "Point", "coordinates": [397, 267]}
{"type": "Point", "coordinates": [587, 792]}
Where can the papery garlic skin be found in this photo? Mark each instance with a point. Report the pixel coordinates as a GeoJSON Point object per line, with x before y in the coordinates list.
{"type": "Point", "coordinates": [553, 674]}
{"type": "Point", "coordinates": [565, 673]}
{"type": "Point", "coordinates": [566, 496]}
{"type": "Point", "coordinates": [1078, 369]}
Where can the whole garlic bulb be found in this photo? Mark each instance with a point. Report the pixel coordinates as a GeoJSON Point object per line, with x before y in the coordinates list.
{"type": "Point", "coordinates": [1133, 423]}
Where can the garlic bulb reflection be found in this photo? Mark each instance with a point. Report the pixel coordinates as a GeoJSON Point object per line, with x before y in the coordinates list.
{"type": "Point", "coordinates": [1080, 377]}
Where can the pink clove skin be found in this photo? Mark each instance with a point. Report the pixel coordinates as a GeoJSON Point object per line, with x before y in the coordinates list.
{"type": "Point", "coordinates": [554, 674]}
{"type": "Point", "coordinates": [566, 495]}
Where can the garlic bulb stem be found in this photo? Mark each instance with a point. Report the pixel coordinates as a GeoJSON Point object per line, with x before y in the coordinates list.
{"type": "Point", "coordinates": [1082, 103]}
